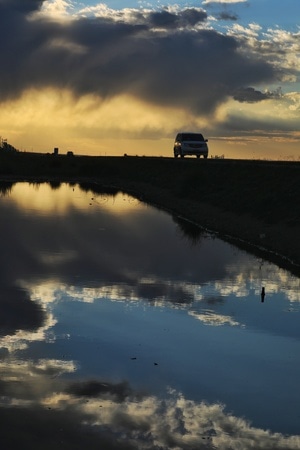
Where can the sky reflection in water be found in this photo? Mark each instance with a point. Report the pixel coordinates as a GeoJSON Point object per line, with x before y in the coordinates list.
{"type": "Point", "coordinates": [124, 327]}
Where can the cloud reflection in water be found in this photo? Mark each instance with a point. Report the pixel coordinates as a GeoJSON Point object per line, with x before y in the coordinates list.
{"type": "Point", "coordinates": [86, 254]}
{"type": "Point", "coordinates": [115, 416]}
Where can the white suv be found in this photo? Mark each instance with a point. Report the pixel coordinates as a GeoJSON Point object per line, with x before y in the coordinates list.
{"type": "Point", "coordinates": [190, 144]}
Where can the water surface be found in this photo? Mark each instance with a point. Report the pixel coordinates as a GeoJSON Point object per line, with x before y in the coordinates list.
{"type": "Point", "coordinates": [124, 327]}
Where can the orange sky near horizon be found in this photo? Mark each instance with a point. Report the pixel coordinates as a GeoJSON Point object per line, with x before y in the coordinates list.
{"type": "Point", "coordinates": [39, 121]}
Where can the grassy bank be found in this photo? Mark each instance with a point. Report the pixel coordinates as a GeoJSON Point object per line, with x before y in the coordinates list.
{"type": "Point", "coordinates": [253, 201]}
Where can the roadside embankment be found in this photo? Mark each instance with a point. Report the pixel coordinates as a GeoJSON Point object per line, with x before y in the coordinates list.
{"type": "Point", "coordinates": [254, 203]}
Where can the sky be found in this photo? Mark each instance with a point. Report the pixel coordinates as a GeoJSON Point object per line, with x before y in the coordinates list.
{"type": "Point", "coordinates": [125, 76]}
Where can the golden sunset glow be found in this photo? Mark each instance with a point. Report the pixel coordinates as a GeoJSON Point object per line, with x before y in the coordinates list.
{"type": "Point", "coordinates": [42, 120]}
{"type": "Point", "coordinates": [40, 199]}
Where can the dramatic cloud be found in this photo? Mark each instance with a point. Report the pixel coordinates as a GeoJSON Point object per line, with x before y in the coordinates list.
{"type": "Point", "coordinates": [251, 95]}
{"type": "Point", "coordinates": [166, 19]}
{"type": "Point", "coordinates": [107, 58]}
{"type": "Point", "coordinates": [103, 414]}
{"type": "Point", "coordinates": [227, 16]}
{"type": "Point", "coordinates": [94, 388]}
{"type": "Point", "coordinates": [30, 315]}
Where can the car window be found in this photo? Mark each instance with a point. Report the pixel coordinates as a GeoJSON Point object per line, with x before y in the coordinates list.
{"type": "Point", "coordinates": [192, 137]}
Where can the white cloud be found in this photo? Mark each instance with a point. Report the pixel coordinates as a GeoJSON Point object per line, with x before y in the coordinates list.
{"type": "Point", "coordinates": [22, 338]}
{"type": "Point", "coordinates": [56, 9]}
{"type": "Point", "coordinates": [156, 422]}
{"type": "Point", "coordinates": [211, 318]}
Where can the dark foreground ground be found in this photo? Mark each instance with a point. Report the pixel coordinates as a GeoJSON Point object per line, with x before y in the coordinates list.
{"type": "Point", "coordinates": [253, 203]}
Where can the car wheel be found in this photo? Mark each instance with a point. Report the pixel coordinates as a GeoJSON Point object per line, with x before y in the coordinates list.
{"type": "Point", "coordinates": [197, 156]}
{"type": "Point", "coordinates": [205, 156]}
{"type": "Point", "coordinates": [182, 155]}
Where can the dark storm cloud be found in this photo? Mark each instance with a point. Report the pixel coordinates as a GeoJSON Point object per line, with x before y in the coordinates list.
{"type": "Point", "coordinates": [227, 16]}
{"type": "Point", "coordinates": [192, 16]}
{"type": "Point", "coordinates": [250, 95]}
{"type": "Point", "coordinates": [193, 69]}
{"type": "Point", "coordinates": [166, 19]}
{"type": "Point", "coordinates": [119, 392]}
{"type": "Point", "coordinates": [163, 19]}
{"type": "Point", "coordinates": [36, 427]}
{"type": "Point", "coordinates": [236, 123]}
{"type": "Point", "coordinates": [20, 6]}
{"type": "Point", "coordinates": [17, 311]}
